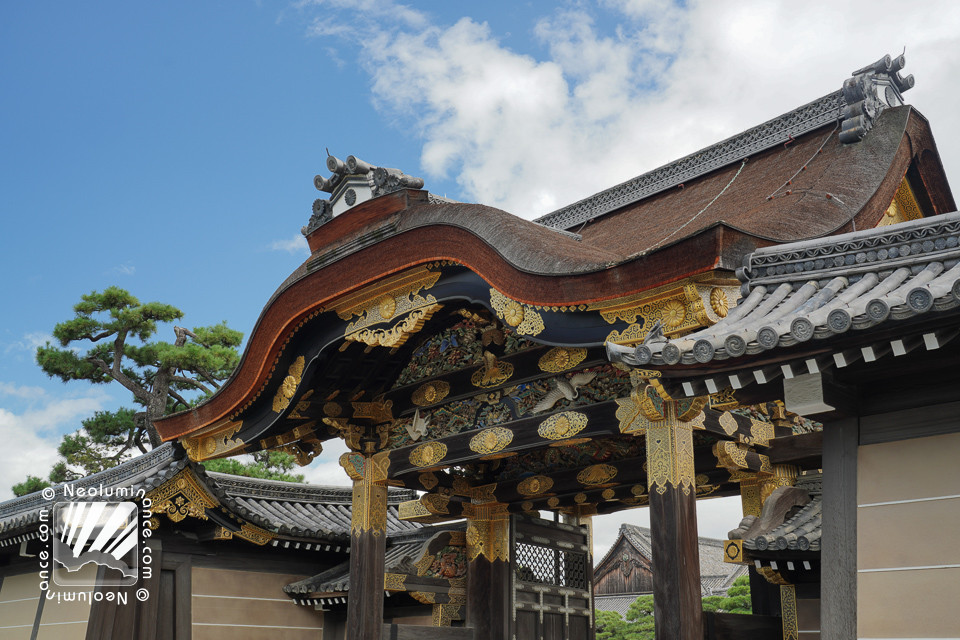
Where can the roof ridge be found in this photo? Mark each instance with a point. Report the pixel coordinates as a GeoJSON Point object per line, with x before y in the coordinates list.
{"type": "Point", "coordinates": [862, 98]}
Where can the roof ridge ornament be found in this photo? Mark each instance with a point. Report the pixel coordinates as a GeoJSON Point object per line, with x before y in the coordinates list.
{"type": "Point", "coordinates": [868, 92]}
{"type": "Point", "coordinates": [354, 181]}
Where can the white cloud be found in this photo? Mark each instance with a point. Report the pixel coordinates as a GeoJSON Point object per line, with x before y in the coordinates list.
{"type": "Point", "coordinates": [37, 430]}
{"type": "Point", "coordinates": [325, 468]}
{"type": "Point", "coordinates": [293, 245]}
{"type": "Point", "coordinates": [125, 269]}
{"type": "Point", "coordinates": [608, 103]}
{"type": "Point", "coordinates": [29, 342]}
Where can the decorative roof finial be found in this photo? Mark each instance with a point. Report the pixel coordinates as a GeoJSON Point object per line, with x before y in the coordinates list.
{"type": "Point", "coordinates": [354, 181]}
{"type": "Point", "coordinates": [871, 90]}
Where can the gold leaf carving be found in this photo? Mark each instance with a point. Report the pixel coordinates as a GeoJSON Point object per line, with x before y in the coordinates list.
{"type": "Point", "coordinates": [527, 321]}
{"type": "Point", "coordinates": [562, 425]}
{"type": "Point", "coordinates": [729, 423]}
{"type": "Point", "coordinates": [561, 358]}
{"type": "Point", "coordinates": [597, 474]}
{"type": "Point", "coordinates": [719, 302]}
{"type": "Point", "coordinates": [670, 456]}
{"type": "Point", "coordinates": [215, 442]}
{"type": "Point", "coordinates": [673, 313]}
{"type": "Point", "coordinates": [428, 480]}
{"type": "Point", "coordinates": [180, 497]}
{"type": "Point", "coordinates": [491, 376]}
{"type": "Point", "coordinates": [535, 485]}
{"type": "Point", "coordinates": [398, 334]}
{"type": "Point", "coordinates": [491, 440]}
{"type": "Point", "coordinates": [428, 454]}
{"type": "Point", "coordinates": [430, 393]}
{"type": "Point", "coordinates": [394, 581]}
{"type": "Point", "coordinates": [289, 385]}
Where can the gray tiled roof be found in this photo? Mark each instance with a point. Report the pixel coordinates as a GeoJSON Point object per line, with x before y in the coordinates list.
{"type": "Point", "coordinates": [286, 508]}
{"type": "Point", "coordinates": [823, 289]}
{"type": "Point", "coordinates": [619, 603]}
{"type": "Point", "coordinates": [801, 532]}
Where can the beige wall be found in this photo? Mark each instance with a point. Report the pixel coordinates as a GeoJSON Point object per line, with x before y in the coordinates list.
{"type": "Point", "coordinates": [908, 556]}
{"type": "Point", "coordinates": [248, 605]}
{"type": "Point", "coordinates": [18, 606]}
{"type": "Point", "coordinates": [63, 619]}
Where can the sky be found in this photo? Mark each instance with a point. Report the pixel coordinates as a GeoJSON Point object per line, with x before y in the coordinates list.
{"type": "Point", "coordinates": [170, 148]}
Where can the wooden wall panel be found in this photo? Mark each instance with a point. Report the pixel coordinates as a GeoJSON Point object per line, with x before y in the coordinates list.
{"type": "Point", "coordinates": [63, 620]}
{"type": "Point", "coordinates": [248, 605]}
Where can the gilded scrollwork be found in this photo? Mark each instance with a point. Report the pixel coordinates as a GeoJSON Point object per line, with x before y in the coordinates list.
{"type": "Point", "coordinates": [399, 333]}
{"type": "Point", "coordinates": [788, 612]}
{"type": "Point", "coordinates": [394, 581]}
{"type": "Point", "coordinates": [535, 485]}
{"type": "Point", "coordinates": [597, 474]}
{"type": "Point", "coordinates": [670, 456]}
{"type": "Point", "coordinates": [562, 425]}
{"type": "Point", "coordinates": [524, 318]}
{"type": "Point", "coordinates": [215, 442]}
{"type": "Point", "coordinates": [182, 496]}
{"type": "Point", "coordinates": [428, 454]}
{"type": "Point", "coordinates": [430, 393]}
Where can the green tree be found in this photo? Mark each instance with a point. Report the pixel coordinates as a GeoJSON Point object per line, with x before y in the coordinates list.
{"type": "Point", "coordinates": [109, 339]}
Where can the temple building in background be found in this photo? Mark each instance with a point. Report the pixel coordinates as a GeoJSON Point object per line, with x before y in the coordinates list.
{"type": "Point", "coordinates": [771, 317]}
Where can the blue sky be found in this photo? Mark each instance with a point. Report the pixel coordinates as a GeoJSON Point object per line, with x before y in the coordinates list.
{"type": "Point", "coordinates": [169, 148]}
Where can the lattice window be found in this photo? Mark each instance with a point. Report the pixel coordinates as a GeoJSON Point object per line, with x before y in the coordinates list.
{"type": "Point", "coordinates": [544, 565]}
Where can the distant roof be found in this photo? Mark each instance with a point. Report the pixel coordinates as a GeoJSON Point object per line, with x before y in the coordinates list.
{"type": "Point", "coordinates": [716, 576]}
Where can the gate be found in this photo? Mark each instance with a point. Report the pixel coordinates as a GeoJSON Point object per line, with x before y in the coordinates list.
{"type": "Point", "coordinates": [552, 580]}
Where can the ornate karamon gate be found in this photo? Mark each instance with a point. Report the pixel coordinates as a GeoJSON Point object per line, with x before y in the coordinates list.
{"type": "Point", "coordinates": [462, 352]}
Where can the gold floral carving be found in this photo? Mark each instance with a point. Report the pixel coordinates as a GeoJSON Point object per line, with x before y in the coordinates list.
{"type": "Point", "coordinates": [424, 597]}
{"type": "Point", "coordinates": [376, 412]}
{"type": "Point", "coordinates": [723, 400]}
{"type": "Point", "coordinates": [729, 423]}
{"type": "Point", "coordinates": [332, 410]}
{"type": "Point", "coordinates": [631, 417]}
{"type": "Point", "coordinates": [732, 456]}
{"type": "Point", "coordinates": [788, 612]}
{"type": "Point", "coordinates": [608, 494]}
{"type": "Point", "coordinates": [153, 523]}
{"type": "Point", "coordinates": [387, 298]}
{"type": "Point", "coordinates": [412, 510]}
{"type": "Point", "coordinates": [750, 496]}
{"type": "Point", "coordinates": [597, 474]}
{"type": "Point", "coordinates": [719, 302]}
{"type": "Point", "coordinates": [670, 455]}
{"type": "Point", "coordinates": [523, 317]}
{"type": "Point", "coordinates": [430, 393]}
{"type": "Point", "coordinates": [484, 493]}
{"type": "Point", "coordinates": [180, 497]}
{"type": "Point", "coordinates": [394, 581]}
{"type": "Point", "coordinates": [399, 333]}
{"type": "Point", "coordinates": [772, 575]}
{"type": "Point", "coordinates": [562, 425]}
{"type": "Point", "coordinates": [784, 475]}
{"type": "Point", "coordinates": [369, 508]}
{"type": "Point", "coordinates": [254, 534]}
{"type": "Point", "coordinates": [561, 358]}
{"type": "Point", "coordinates": [428, 454]}
{"type": "Point", "coordinates": [443, 614]}
{"type": "Point", "coordinates": [428, 480]}
{"type": "Point", "coordinates": [215, 442]}
{"type": "Point", "coordinates": [580, 497]}
{"type": "Point", "coordinates": [289, 385]}
{"type": "Point", "coordinates": [674, 312]}
{"type": "Point", "coordinates": [761, 432]}
{"type": "Point", "coordinates": [535, 485]}
{"type": "Point", "coordinates": [488, 531]}
{"type": "Point", "coordinates": [526, 505]}
{"type": "Point", "coordinates": [692, 412]}
{"type": "Point", "coordinates": [553, 503]}
{"type": "Point", "coordinates": [461, 486]}
{"type": "Point", "coordinates": [491, 440]}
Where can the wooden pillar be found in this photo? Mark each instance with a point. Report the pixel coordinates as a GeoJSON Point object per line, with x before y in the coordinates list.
{"type": "Point", "coordinates": [488, 571]}
{"type": "Point", "coordinates": [838, 556]}
{"type": "Point", "coordinates": [673, 529]}
{"type": "Point", "coordinates": [368, 537]}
